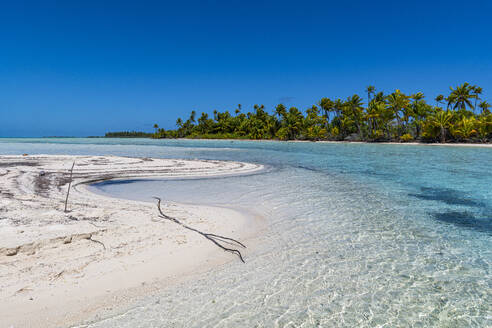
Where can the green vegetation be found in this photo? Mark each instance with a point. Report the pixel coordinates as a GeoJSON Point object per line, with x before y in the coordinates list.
{"type": "Point", "coordinates": [386, 117]}
{"type": "Point", "coordinates": [128, 134]}
{"type": "Point", "coordinates": [393, 117]}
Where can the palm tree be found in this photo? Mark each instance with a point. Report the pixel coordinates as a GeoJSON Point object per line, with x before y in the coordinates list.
{"type": "Point", "coordinates": [417, 100]}
{"type": "Point", "coordinates": [327, 106]}
{"type": "Point", "coordinates": [370, 90]}
{"type": "Point", "coordinates": [338, 106]}
{"type": "Point", "coordinates": [442, 120]}
{"type": "Point", "coordinates": [294, 120]}
{"type": "Point", "coordinates": [465, 128]}
{"type": "Point", "coordinates": [461, 96]}
{"type": "Point", "coordinates": [439, 99]}
{"type": "Point", "coordinates": [484, 106]}
{"type": "Point", "coordinates": [354, 104]}
{"type": "Point", "coordinates": [192, 116]}
{"type": "Point", "coordinates": [203, 123]}
{"type": "Point", "coordinates": [477, 91]}
{"type": "Point", "coordinates": [421, 111]}
{"type": "Point", "coordinates": [156, 127]}
{"type": "Point", "coordinates": [280, 111]}
{"type": "Point", "coordinates": [417, 96]}
{"type": "Point", "coordinates": [373, 114]}
{"type": "Point", "coordinates": [378, 97]}
{"type": "Point", "coordinates": [398, 101]}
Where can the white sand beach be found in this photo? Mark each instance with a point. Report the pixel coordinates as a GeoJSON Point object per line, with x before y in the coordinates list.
{"type": "Point", "coordinates": [483, 145]}
{"type": "Point", "coordinates": [59, 269]}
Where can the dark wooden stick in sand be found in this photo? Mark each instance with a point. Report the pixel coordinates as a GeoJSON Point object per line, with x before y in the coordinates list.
{"type": "Point", "coordinates": [216, 239]}
{"type": "Point", "coordinates": [69, 185]}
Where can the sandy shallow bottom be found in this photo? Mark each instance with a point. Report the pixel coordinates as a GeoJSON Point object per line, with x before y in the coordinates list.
{"type": "Point", "coordinates": [61, 268]}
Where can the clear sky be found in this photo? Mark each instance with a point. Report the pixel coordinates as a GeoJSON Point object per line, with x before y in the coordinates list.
{"type": "Point", "coordinates": [85, 68]}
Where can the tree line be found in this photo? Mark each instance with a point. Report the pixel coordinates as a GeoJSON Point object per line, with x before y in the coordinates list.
{"type": "Point", "coordinates": [460, 116]}
{"type": "Point", "coordinates": [129, 134]}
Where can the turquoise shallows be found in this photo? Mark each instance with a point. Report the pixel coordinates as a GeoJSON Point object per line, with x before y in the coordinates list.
{"type": "Point", "coordinates": [360, 235]}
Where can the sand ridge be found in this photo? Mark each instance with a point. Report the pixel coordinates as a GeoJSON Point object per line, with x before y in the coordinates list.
{"type": "Point", "coordinates": [58, 269]}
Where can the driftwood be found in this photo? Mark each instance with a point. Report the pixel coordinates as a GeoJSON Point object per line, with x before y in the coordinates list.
{"type": "Point", "coordinates": [216, 239]}
{"type": "Point", "coordinates": [97, 242]}
{"type": "Point", "coordinates": [69, 185]}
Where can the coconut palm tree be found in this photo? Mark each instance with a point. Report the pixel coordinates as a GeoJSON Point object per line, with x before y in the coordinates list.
{"type": "Point", "coordinates": [354, 105]}
{"type": "Point", "coordinates": [370, 90]}
{"type": "Point", "coordinates": [421, 111]}
{"type": "Point", "coordinates": [442, 120]}
{"type": "Point", "coordinates": [374, 113]}
{"type": "Point", "coordinates": [439, 99]}
{"type": "Point", "coordinates": [477, 91]}
{"type": "Point", "coordinates": [327, 106]}
{"type": "Point", "coordinates": [461, 96]}
{"type": "Point", "coordinates": [385, 114]}
{"type": "Point", "coordinates": [417, 96]}
{"type": "Point", "coordinates": [338, 107]}
{"type": "Point", "coordinates": [314, 124]}
{"type": "Point", "coordinates": [280, 111]}
{"type": "Point", "coordinates": [192, 116]}
{"type": "Point", "coordinates": [398, 101]}
{"type": "Point", "coordinates": [484, 106]}
{"type": "Point", "coordinates": [378, 97]}
{"type": "Point", "coordinates": [294, 120]}
{"type": "Point", "coordinates": [156, 127]}
{"type": "Point", "coordinates": [238, 109]}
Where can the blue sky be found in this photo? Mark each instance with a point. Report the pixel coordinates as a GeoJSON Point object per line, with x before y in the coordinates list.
{"type": "Point", "coordinates": [84, 68]}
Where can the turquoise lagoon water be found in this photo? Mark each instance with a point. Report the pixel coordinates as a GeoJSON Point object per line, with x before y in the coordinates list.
{"type": "Point", "coordinates": [358, 235]}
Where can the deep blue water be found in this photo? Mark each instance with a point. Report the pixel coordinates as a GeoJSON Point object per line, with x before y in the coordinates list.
{"type": "Point", "coordinates": [359, 234]}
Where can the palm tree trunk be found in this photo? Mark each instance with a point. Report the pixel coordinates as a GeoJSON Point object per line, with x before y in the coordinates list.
{"type": "Point", "coordinates": [358, 125]}
{"type": "Point", "coordinates": [398, 129]}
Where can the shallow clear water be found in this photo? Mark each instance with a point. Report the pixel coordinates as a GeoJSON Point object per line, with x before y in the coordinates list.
{"type": "Point", "coordinates": [359, 235]}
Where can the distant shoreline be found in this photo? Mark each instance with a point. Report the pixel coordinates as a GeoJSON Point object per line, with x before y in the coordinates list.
{"type": "Point", "coordinates": [460, 144]}
{"type": "Point", "coordinates": [450, 144]}
{"type": "Point", "coordinates": [487, 145]}
{"type": "Point", "coordinates": [355, 142]}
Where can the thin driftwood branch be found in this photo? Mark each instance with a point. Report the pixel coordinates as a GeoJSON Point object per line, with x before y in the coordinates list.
{"type": "Point", "coordinates": [97, 242]}
{"type": "Point", "coordinates": [216, 239]}
{"type": "Point", "coordinates": [69, 185]}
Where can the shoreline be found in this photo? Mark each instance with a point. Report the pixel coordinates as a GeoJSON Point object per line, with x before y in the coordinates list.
{"type": "Point", "coordinates": [436, 144]}
{"type": "Point", "coordinates": [104, 253]}
{"type": "Point", "coordinates": [484, 145]}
